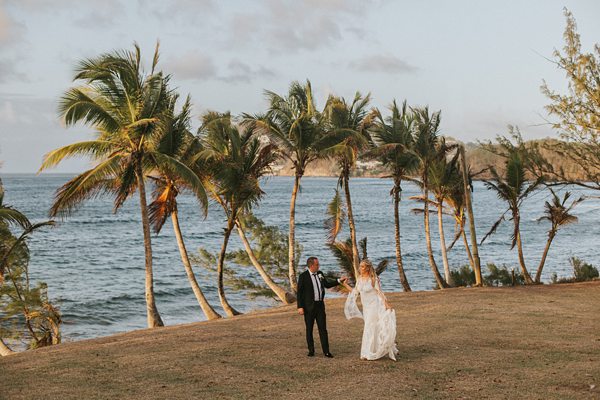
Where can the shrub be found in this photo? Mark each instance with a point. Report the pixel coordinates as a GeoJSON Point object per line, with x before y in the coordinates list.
{"type": "Point", "coordinates": [464, 276]}
{"type": "Point", "coordinates": [582, 270]}
{"type": "Point", "coordinates": [501, 276]}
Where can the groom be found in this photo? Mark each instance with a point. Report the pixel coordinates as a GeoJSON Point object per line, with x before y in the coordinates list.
{"type": "Point", "coordinates": [311, 292]}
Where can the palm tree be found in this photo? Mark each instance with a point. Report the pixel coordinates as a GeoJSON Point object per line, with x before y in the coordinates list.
{"type": "Point", "coordinates": [10, 217]}
{"type": "Point", "coordinates": [350, 121]}
{"type": "Point", "coordinates": [559, 215]}
{"type": "Point", "coordinates": [456, 201]}
{"type": "Point", "coordinates": [179, 143]}
{"type": "Point", "coordinates": [125, 106]}
{"type": "Point", "coordinates": [41, 319]}
{"type": "Point", "coordinates": [295, 126]}
{"type": "Point", "coordinates": [512, 188]}
{"type": "Point", "coordinates": [468, 205]}
{"type": "Point", "coordinates": [425, 149]}
{"type": "Point", "coordinates": [238, 160]}
{"type": "Point", "coordinates": [444, 177]}
{"type": "Point", "coordinates": [393, 138]}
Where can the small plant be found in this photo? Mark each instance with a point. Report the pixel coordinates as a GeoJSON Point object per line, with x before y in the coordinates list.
{"type": "Point", "coordinates": [582, 270]}
{"type": "Point", "coordinates": [501, 276]}
{"type": "Point", "coordinates": [464, 276]}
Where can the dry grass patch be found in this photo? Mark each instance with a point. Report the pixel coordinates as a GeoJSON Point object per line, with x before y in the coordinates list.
{"type": "Point", "coordinates": [539, 342]}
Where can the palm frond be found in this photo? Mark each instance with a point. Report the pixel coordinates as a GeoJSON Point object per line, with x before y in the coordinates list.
{"type": "Point", "coordinates": [382, 266]}
{"type": "Point", "coordinates": [336, 217]}
{"type": "Point", "coordinates": [172, 167]}
{"type": "Point", "coordinates": [493, 228]}
{"type": "Point", "coordinates": [96, 149]}
{"type": "Point", "coordinates": [11, 216]}
{"type": "Point", "coordinates": [362, 245]}
{"type": "Point", "coordinates": [89, 184]}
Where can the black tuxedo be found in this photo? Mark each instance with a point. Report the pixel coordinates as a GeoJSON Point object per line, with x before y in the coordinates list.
{"type": "Point", "coordinates": [314, 310]}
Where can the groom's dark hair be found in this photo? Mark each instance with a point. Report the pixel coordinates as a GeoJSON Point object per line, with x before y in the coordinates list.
{"type": "Point", "coordinates": [311, 261]}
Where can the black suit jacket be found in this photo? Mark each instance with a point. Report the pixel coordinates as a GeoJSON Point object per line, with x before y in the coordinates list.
{"type": "Point", "coordinates": [306, 294]}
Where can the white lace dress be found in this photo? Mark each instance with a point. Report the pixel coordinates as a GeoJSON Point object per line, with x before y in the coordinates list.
{"type": "Point", "coordinates": [379, 334]}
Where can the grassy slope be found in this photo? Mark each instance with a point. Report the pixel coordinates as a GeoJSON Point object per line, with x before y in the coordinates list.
{"type": "Point", "coordinates": [540, 342]}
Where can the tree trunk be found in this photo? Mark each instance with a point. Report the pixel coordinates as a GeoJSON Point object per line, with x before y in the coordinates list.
{"type": "Point", "coordinates": [447, 273]}
{"type": "Point", "coordinates": [4, 349]}
{"type": "Point", "coordinates": [538, 274]}
{"type": "Point", "coordinates": [292, 239]}
{"type": "Point", "coordinates": [469, 206]}
{"type": "Point", "coordinates": [526, 276]}
{"type": "Point", "coordinates": [436, 273]}
{"type": "Point", "coordinates": [351, 226]}
{"type": "Point", "coordinates": [209, 312]}
{"type": "Point", "coordinates": [403, 279]}
{"type": "Point", "coordinates": [466, 242]}
{"type": "Point", "coordinates": [285, 297]}
{"type": "Point", "coordinates": [153, 316]}
{"type": "Point", "coordinates": [229, 310]}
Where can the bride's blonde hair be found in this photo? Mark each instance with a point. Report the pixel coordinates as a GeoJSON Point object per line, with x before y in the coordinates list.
{"type": "Point", "coordinates": [370, 270]}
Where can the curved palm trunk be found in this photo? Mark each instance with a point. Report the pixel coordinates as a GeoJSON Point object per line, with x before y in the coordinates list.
{"type": "Point", "coordinates": [229, 310]}
{"type": "Point", "coordinates": [526, 275]}
{"type": "Point", "coordinates": [434, 268]}
{"type": "Point", "coordinates": [351, 225]}
{"type": "Point", "coordinates": [209, 312]}
{"type": "Point", "coordinates": [447, 273]}
{"type": "Point", "coordinates": [469, 206]}
{"type": "Point", "coordinates": [285, 297]}
{"type": "Point", "coordinates": [468, 250]}
{"type": "Point", "coordinates": [4, 349]}
{"type": "Point", "coordinates": [153, 316]}
{"type": "Point", "coordinates": [538, 274]}
{"type": "Point", "coordinates": [23, 303]}
{"type": "Point", "coordinates": [403, 279]}
{"type": "Point", "coordinates": [292, 238]}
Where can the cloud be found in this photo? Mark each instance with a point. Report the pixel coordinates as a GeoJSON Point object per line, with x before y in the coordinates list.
{"type": "Point", "coordinates": [191, 10]}
{"type": "Point", "coordinates": [89, 14]}
{"type": "Point", "coordinates": [242, 72]}
{"type": "Point", "coordinates": [18, 110]}
{"type": "Point", "coordinates": [319, 31]}
{"type": "Point", "coordinates": [290, 25]}
{"type": "Point", "coordinates": [10, 30]}
{"type": "Point", "coordinates": [191, 66]}
{"type": "Point", "coordinates": [101, 15]}
{"type": "Point", "coordinates": [382, 63]}
{"type": "Point", "coordinates": [5, 25]}
{"type": "Point", "coordinates": [8, 70]}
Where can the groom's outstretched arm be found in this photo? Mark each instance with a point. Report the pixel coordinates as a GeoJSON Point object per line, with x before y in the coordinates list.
{"type": "Point", "coordinates": [330, 282]}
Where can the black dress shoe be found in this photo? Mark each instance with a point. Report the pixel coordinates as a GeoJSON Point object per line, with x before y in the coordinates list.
{"type": "Point", "coordinates": [328, 355]}
{"type": "Point", "coordinates": [311, 354]}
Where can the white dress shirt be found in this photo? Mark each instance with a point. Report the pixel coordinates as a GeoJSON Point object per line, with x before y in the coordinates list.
{"type": "Point", "coordinates": [317, 287]}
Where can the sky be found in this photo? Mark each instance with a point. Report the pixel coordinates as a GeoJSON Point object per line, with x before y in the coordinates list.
{"type": "Point", "coordinates": [480, 62]}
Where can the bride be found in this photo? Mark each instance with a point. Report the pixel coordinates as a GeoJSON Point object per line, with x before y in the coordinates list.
{"type": "Point", "coordinates": [379, 334]}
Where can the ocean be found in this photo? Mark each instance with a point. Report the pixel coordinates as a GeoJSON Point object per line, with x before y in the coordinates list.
{"type": "Point", "coordinates": [93, 261]}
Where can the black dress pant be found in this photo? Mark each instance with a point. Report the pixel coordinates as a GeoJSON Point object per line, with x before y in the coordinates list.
{"type": "Point", "coordinates": [310, 316]}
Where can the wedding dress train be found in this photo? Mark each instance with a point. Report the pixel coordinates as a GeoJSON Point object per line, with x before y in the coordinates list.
{"type": "Point", "coordinates": [379, 334]}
